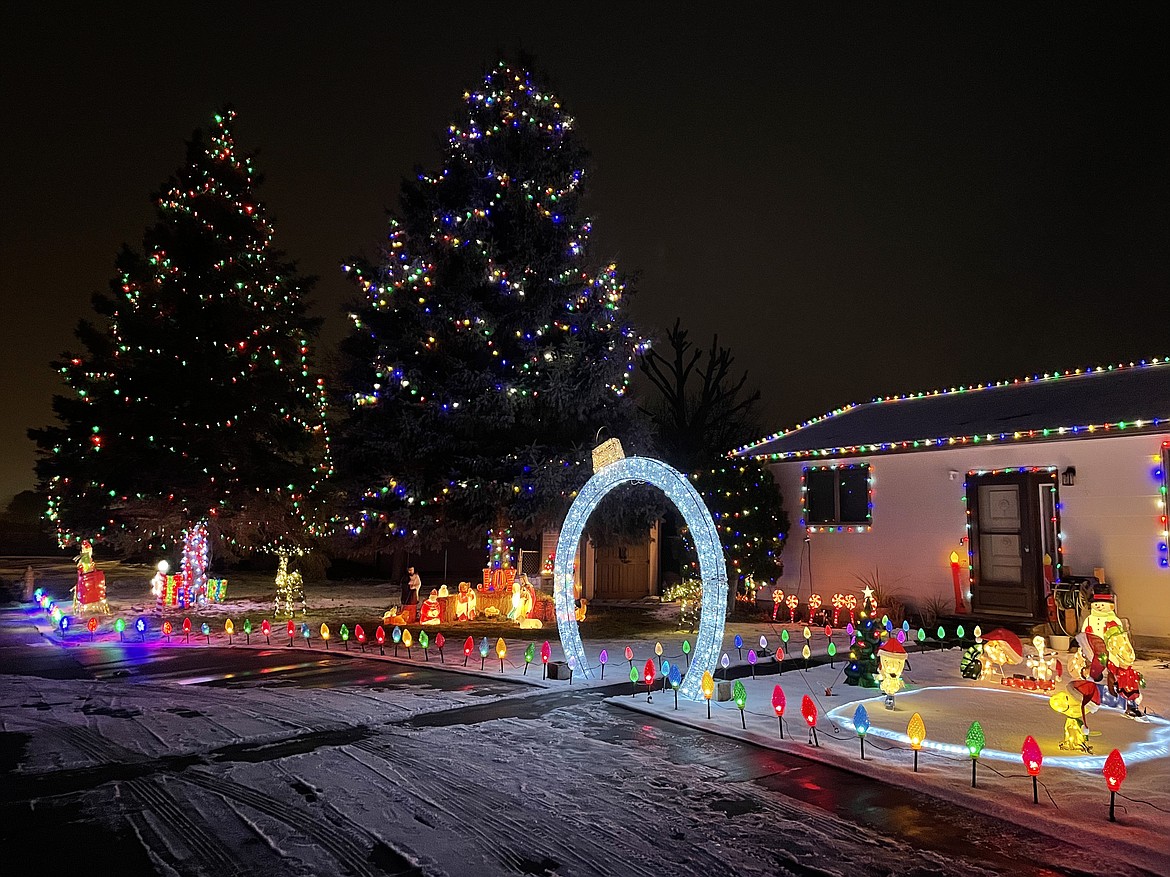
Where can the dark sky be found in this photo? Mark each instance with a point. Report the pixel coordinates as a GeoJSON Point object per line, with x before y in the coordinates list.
{"type": "Point", "coordinates": [859, 200]}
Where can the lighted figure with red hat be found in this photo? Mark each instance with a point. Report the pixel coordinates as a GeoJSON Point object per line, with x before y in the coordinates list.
{"type": "Point", "coordinates": [429, 611]}
{"type": "Point", "coordinates": [90, 591]}
{"type": "Point", "coordinates": [1000, 647]}
{"type": "Point", "coordinates": [1107, 647]}
{"type": "Point", "coordinates": [1081, 698]}
{"type": "Point", "coordinates": [891, 663]}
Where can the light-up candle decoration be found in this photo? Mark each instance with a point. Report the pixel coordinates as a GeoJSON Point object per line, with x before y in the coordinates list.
{"type": "Point", "coordinates": [739, 695]}
{"type": "Point", "coordinates": [648, 677]}
{"type": "Point", "coordinates": [808, 710]}
{"type": "Point", "coordinates": [529, 654]}
{"type": "Point", "coordinates": [380, 638]}
{"type": "Point", "coordinates": [792, 602]}
{"type": "Point", "coordinates": [266, 629]}
{"type": "Point", "coordinates": [501, 651]}
{"type": "Point", "coordinates": [186, 630]}
{"type": "Point", "coordinates": [92, 626]}
{"type": "Point", "coordinates": [167, 628]}
{"type": "Point", "coordinates": [916, 731]}
{"type": "Point", "coordinates": [343, 632]}
{"type": "Point", "coordinates": [959, 607]}
{"type": "Point", "coordinates": [546, 656]}
{"type": "Point", "coordinates": [861, 726]}
{"type": "Point", "coordinates": [468, 648]}
{"type": "Point", "coordinates": [604, 659]}
{"type": "Point", "coordinates": [120, 626]}
{"type": "Point", "coordinates": [779, 702]}
{"type": "Point", "coordinates": [1032, 757]}
{"type": "Point", "coordinates": [975, 743]}
{"type": "Point", "coordinates": [229, 627]}
{"type": "Point", "coordinates": [675, 681]}
{"type": "Point", "coordinates": [1114, 772]}
{"type": "Point", "coordinates": [440, 641]}
{"type": "Point", "coordinates": [707, 686]}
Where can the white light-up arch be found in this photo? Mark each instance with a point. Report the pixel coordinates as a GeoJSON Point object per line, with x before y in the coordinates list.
{"type": "Point", "coordinates": [712, 567]}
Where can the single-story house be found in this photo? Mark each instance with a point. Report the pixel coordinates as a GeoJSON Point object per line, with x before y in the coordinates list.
{"type": "Point", "coordinates": [1029, 481]}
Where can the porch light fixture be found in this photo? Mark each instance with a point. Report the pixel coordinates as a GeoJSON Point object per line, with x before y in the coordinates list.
{"type": "Point", "coordinates": [1069, 476]}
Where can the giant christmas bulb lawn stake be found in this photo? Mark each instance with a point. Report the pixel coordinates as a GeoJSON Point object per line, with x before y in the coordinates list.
{"type": "Point", "coordinates": [380, 637]}
{"type": "Point", "coordinates": [708, 687]}
{"type": "Point", "coordinates": [784, 641]}
{"type": "Point", "coordinates": [206, 628]}
{"type": "Point", "coordinates": [396, 635]}
{"type": "Point", "coordinates": [752, 661]}
{"type": "Point", "coordinates": [291, 629]}
{"type": "Point", "coordinates": [483, 651]}
{"type": "Point", "coordinates": [166, 628]}
{"type": "Point", "coordinates": [861, 726]}
{"type": "Point", "coordinates": [808, 709]}
{"type": "Point", "coordinates": [501, 650]}
{"type": "Point", "coordinates": [778, 704]}
{"type": "Point", "coordinates": [648, 677]}
{"type": "Point", "coordinates": [266, 629]}
{"type": "Point", "coordinates": [658, 652]}
{"type": "Point", "coordinates": [440, 641]}
{"type": "Point", "coordinates": [916, 731]}
{"type": "Point", "coordinates": [307, 634]}
{"type": "Point", "coordinates": [120, 626]}
{"type": "Point", "coordinates": [64, 625]}
{"type": "Point", "coordinates": [739, 695]}
{"type": "Point", "coordinates": [529, 654]}
{"type": "Point", "coordinates": [739, 645]}
{"type": "Point", "coordinates": [248, 631]}
{"type": "Point", "coordinates": [325, 634]}
{"type": "Point", "coordinates": [92, 625]}
{"type": "Point", "coordinates": [975, 744]}
{"type": "Point", "coordinates": [229, 627]}
{"type": "Point", "coordinates": [686, 648]}
{"type": "Point", "coordinates": [630, 656]}
{"type": "Point", "coordinates": [634, 681]}
{"type": "Point", "coordinates": [360, 635]}
{"type": "Point", "coordinates": [1032, 760]}
{"type": "Point", "coordinates": [187, 630]}
{"type": "Point", "coordinates": [675, 681]}
{"type": "Point", "coordinates": [545, 655]}
{"type": "Point", "coordinates": [1114, 771]}
{"type": "Point", "coordinates": [140, 624]}
{"type": "Point", "coordinates": [725, 662]}
{"type": "Point", "coordinates": [604, 659]}
{"type": "Point", "coordinates": [468, 648]}
{"type": "Point", "coordinates": [344, 634]}
{"type": "Point", "coordinates": [665, 673]}
{"type": "Point", "coordinates": [407, 641]}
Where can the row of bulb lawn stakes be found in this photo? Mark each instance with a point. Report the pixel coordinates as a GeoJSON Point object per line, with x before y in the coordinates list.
{"type": "Point", "coordinates": [1114, 770]}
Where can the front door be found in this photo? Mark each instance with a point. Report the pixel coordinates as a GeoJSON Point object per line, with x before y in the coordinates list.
{"type": "Point", "coordinates": [1013, 528]}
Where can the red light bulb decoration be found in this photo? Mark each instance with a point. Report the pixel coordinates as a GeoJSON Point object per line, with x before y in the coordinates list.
{"type": "Point", "coordinates": [778, 704]}
{"type": "Point", "coordinates": [266, 629]}
{"type": "Point", "coordinates": [380, 636]}
{"type": "Point", "coordinates": [808, 709]}
{"type": "Point", "coordinates": [187, 630]}
{"type": "Point", "coordinates": [1033, 758]}
{"type": "Point", "coordinates": [468, 647]}
{"type": "Point", "coordinates": [1114, 771]}
{"type": "Point", "coordinates": [546, 653]}
{"type": "Point", "coordinates": [440, 641]}
{"type": "Point", "coordinates": [648, 677]}
{"type": "Point", "coordinates": [360, 636]}
{"type": "Point", "coordinates": [92, 625]}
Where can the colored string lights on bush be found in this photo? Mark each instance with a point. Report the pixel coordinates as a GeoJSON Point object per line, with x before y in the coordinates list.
{"type": "Point", "coordinates": [686, 499]}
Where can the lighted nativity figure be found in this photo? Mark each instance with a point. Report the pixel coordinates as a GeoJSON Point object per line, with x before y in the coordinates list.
{"type": "Point", "coordinates": [891, 663]}
{"type": "Point", "coordinates": [399, 615]}
{"type": "Point", "coordinates": [1081, 698]}
{"type": "Point", "coordinates": [523, 602]}
{"type": "Point", "coordinates": [429, 612]}
{"type": "Point", "coordinates": [1000, 647]}
{"type": "Point", "coordinates": [89, 594]}
{"type": "Point", "coordinates": [465, 603]}
{"type": "Point", "coordinates": [1043, 663]}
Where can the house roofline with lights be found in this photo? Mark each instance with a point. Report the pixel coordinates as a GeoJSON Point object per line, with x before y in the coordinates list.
{"type": "Point", "coordinates": [1082, 403]}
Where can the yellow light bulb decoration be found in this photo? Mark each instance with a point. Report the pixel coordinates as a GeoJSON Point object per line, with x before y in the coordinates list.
{"type": "Point", "coordinates": [229, 627]}
{"type": "Point", "coordinates": [806, 652]}
{"type": "Point", "coordinates": [708, 685]}
{"type": "Point", "coordinates": [806, 633]}
{"type": "Point", "coordinates": [407, 639]}
{"type": "Point", "coordinates": [916, 731]}
{"type": "Point", "coordinates": [324, 630]}
{"type": "Point", "coordinates": [501, 648]}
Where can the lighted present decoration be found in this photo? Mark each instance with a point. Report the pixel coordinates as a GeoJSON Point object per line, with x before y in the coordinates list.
{"type": "Point", "coordinates": [606, 453]}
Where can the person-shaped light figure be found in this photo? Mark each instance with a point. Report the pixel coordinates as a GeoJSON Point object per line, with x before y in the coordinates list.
{"type": "Point", "coordinates": [891, 663]}
{"type": "Point", "coordinates": [158, 584]}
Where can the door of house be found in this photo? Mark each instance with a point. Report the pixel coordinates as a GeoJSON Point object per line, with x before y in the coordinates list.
{"type": "Point", "coordinates": [623, 572]}
{"type": "Point", "coordinates": [1014, 525]}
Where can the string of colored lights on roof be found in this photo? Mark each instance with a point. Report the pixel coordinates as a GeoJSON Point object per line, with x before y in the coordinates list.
{"type": "Point", "coordinates": [958, 440]}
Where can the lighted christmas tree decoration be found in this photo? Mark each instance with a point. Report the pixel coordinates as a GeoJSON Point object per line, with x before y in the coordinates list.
{"type": "Point", "coordinates": [194, 409]}
{"type": "Point", "coordinates": [708, 688]}
{"type": "Point", "coordinates": [975, 744]}
{"type": "Point", "coordinates": [603, 659]}
{"type": "Point", "coordinates": [229, 627]}
{"type": "Point", "coordinates": [779, 702]}
{"type": "Point", "coordinates": [266, 630]}
{"type": "Point", "coordinates": [808, 710]}
{"type": "Point", "coordinates": [1032, 757]}
{"type": "Point", "coordinates": [1114, 772]}
{"type": "Point", "coordinates": [290, 588]}
{"type": "Point", "coordinates": [862, 666]}
{"type": "Point", "coordinates": [916, 731]}
{"type": "Point", "coordinates": [861, 726]}
{"type": "Point", "coordinates": [739, 695]}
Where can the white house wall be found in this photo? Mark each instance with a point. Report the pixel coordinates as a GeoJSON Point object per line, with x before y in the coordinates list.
{"type": "Point", "coordinates": [1109, 519]}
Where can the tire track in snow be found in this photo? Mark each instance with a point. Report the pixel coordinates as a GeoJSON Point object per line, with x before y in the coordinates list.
{"type": "Point", "coordinates": [203, 844]}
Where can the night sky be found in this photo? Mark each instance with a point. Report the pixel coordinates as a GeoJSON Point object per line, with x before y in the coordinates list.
{"type": "Point", "coordinates": [859, 200]}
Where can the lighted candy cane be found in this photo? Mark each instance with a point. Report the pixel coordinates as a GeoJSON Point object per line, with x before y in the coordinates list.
{"type": "Point", "coordinates": [838, 605]}
{"type": "Point", "coordinates": [777, 599]}
{"type": "Point", "coordinates": [814, 603]}
{"type": "Point", "coordinates": [793, 601]}
{"type": "Point", "coordinates": [851, 604]}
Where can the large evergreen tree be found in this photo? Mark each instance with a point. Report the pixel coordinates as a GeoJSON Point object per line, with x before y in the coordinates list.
{"type": "Point", "coordinates": [701, 411]}
{"type": "Point", "coordinates": [488, 348]}
{"type": "Point", "coordinates": [195, 398]}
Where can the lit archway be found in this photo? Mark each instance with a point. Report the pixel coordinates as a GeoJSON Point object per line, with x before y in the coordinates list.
{"type": "Point", "coordinates": [712, 568]}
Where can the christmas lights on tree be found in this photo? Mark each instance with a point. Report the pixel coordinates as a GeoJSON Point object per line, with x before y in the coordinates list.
{"type": "Point", "coordinates": [862, 666]}
{"type": "Point", "coordinates": [483, 317]}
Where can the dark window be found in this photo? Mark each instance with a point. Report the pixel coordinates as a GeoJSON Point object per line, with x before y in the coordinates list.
{"type": "Point", "coordinates": [837, 495]}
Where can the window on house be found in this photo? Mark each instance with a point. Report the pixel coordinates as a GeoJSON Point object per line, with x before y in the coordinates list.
{"type": "Point", "coordinates": [837, 496]}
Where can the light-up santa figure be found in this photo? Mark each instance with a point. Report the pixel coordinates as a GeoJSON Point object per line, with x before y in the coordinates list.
{"type": "Point", "coordinates": [429, 612]}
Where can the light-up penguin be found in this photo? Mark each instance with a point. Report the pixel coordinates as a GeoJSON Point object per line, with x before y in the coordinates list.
{"type": "Point", "coordinates": [891, 663]}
